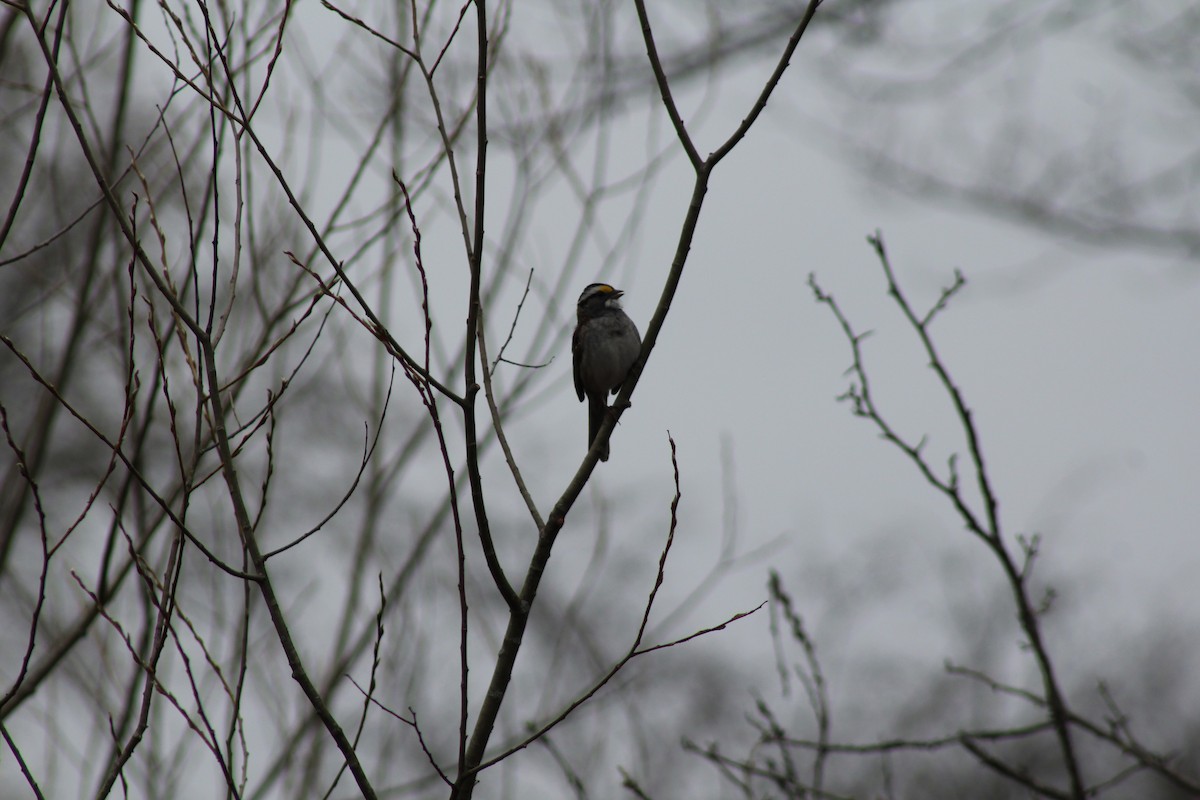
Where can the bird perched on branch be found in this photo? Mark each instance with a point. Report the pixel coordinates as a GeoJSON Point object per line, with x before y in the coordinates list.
{"type": "Point", "coordinates": [604, 347]}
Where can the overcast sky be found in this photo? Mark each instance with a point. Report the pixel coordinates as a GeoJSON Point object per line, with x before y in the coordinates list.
{"type": "Point", "coordinates": [1077, 360]}
{"type": "Point", "coordinates": [1076, 354]}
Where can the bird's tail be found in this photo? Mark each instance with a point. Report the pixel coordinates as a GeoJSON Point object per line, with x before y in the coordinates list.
{"type": "Point", "coordinates": [596, 411]}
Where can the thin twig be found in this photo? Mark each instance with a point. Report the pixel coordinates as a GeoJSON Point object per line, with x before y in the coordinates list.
{"type": "Point", "coordinates": [412, 723]}
{"type": "Point", "coordinates": [635, 649]}
{"type": "Point", "coordinates": [985, 526]}
{"type": "Point", "coordinates": [218, 418]}
{"type": "Point", "coordinates": [1016, 776]}
{"type": "Point", "coordinates": [39, 509]}
{"type": "Point", "coordinates": [518, 615]}
{"type": "Point", "coordinates": [12, 746]}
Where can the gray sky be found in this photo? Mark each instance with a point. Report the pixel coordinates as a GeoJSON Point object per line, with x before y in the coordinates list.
{"type": "Point", "coordinates": [1077, 358]}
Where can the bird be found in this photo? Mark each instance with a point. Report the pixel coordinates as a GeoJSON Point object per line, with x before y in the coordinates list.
{"type": "Point", "coordinates": [604, 347]}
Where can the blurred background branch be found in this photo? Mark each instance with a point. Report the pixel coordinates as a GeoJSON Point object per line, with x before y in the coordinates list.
{"type": "Point", "coordinates": [281, 204]}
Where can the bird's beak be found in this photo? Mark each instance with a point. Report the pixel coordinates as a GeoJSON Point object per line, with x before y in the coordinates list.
{"type": "Point", "coordinates": [617, 294]}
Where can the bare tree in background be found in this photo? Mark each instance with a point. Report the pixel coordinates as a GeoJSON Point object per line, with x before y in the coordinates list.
{"type": "Point", "coordinates": [1064, 116]}
{"type": "Point", "coordinates": [245, 421]}
{"type": "Point", "coordinates": [978, 107]}
{"type": "Point", "coordinates": [1038, 738]}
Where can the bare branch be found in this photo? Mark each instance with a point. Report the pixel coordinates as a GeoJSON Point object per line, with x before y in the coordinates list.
{"type": "Point", "coordinates": [988, 528]}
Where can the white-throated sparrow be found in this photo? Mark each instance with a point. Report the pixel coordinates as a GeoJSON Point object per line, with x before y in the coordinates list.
{"type": "Point", "coordinates": [604, 347]}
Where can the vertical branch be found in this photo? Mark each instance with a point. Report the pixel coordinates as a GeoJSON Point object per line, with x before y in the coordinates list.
{"type": "Point", "coordinates": [470, 385]}
{"type": "Point", "coordinates": [494, 408]}
{"type": "Point", "coordinates": [35, 139]}
{"type": "Point", "coordinates": [703, 169]}
{"type": "Point", "coordinates": [20, 464]}
{"type": "Point", "coordinates": [813, 680]}
{"type": "Point", "coordinates": [986, 527]}
{"type": "Point", "coordinates": [162, 624]}
{"type": "Point", "coordinates": [219, 431]}
{"type": "Point", "coordinates": [428, 397]}
{"type": "Point", "coordinates": [12, 746]}
{"type": "Point", "coordinates": [1026, 610]}
{"type": "Point", "coordinates": [664, 89]}
{"type": "Point", "coordinates": [12, 506]}
{"type": "Point", "coordinates": [245, 527]}
{"type": "Point", "coordinates": [769, 87]}
{"type": "Point", "coordinates": [519, 612]}
{"type": "Point", "coordinates": [475, 328]}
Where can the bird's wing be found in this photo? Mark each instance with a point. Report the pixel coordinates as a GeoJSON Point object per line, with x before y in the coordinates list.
{"type": "Point", "coordinates": [576, 357]}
